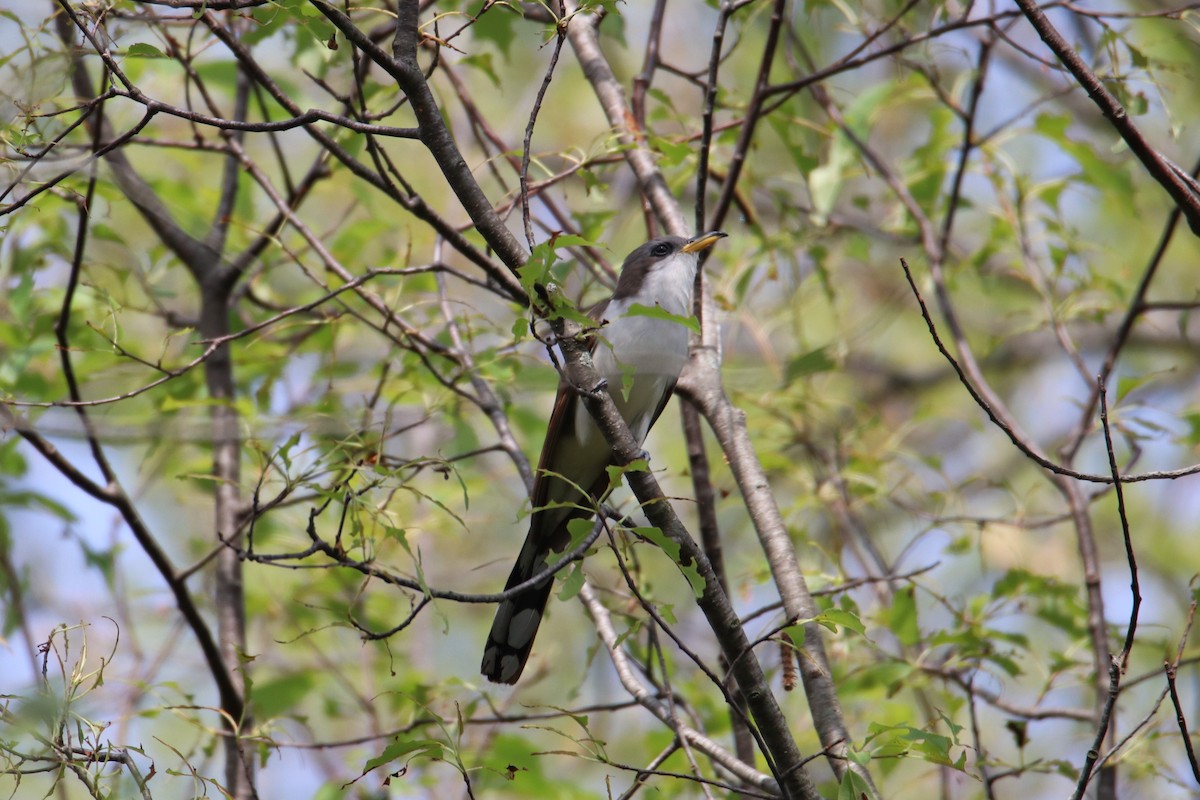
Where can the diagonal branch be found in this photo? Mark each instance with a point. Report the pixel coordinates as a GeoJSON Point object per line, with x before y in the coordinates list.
{"type": "Point", "coordinates": [785, 756]}
{"type": "Point", "coordinates": [113, 495]}
{"type": "Point", "coordinates": [701, 384]}
{"type": "Point", "coordinates": [656, 706]}
{"type": "Point", "coordinates": [434, 133]}
{"type": "Point", "coordinates": [1182, 188]}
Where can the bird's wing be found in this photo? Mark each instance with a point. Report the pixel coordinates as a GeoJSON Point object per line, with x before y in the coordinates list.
{"type": "Point", "coordinates": [562, 423]}
{"type": "Point", "coordinates": [662, 404]}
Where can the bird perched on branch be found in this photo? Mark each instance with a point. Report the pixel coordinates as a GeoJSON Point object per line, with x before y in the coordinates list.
{"type": "Point", "coordinates": [639, 353]}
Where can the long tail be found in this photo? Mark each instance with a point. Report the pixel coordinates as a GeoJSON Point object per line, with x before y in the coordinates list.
{"type": "Point", "coordinates": [517, 618]}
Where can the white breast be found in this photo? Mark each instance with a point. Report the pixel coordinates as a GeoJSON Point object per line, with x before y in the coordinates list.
{"type": "Point", "coordinates": [641, 357]}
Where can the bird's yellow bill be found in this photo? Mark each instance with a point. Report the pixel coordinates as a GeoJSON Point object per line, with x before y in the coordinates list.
{"type": "Point", "coordinates": [703, 241]}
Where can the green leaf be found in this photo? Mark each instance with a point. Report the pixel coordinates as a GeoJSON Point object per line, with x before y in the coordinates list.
{"type": "Point", "coordinates": [935, 747]}
{"type": "Point", "coordinates": [561, 240]}
{"type": "Point", "coordinates": [1127, 384]}
{"type": "Point", "coordinates": [790, 135]}
{"type": "Point", "coordinates": [285, 450]}
{"type": "Point", "coordinates": [1136, 56]}
{"type": "Point", "coordinates": [796, 634]}
{"type": "Point", "coordinates": [572, 584]}
{"type": "Point", "coordinates": [672, 550]}
{"type": "Point", "coordinates": [19, 297]}
{"type": "Point", "coordinates": [538, 271]}
{"type": "Point", "coordinates": [537, 268]}
{"type": "Point", "coordinates": [901, 617]}
{"type": "Point", "coordinates": [496, 25]}
{"type": "Point", "coordinates": [614, 20]}
{"type": "Point", "coordinates": [144, 50]}
{"type": "Point", "coordinates": [853, 787]}
{"type": "Point", "coordinates": [279, 696]}
{"type": "Point", "coordinates": [673, 153]}
{"type": "Point", "coordinates": [395, 750]}
{"type": "Point", "coordinates": [692, 573]}
{"type": "Point", "coordinates": [593, 224]}
{"type": "Point", "coordinates": [400, 536]}
{"type": "Point", "coordinates": [617, 472]}
{"type": "Point", "coordinates": [1109, 177]}
{"type": "Point", "coordinates": [809, 363]}
{"type": "Point", "coordinates": [30, 499]}
{"type": "Point", "coordinates": [309, 18]}
{"type": "Point", "coordinates": [1052, 126]}
{"type": "Point", "coordinates": [1006, 663]}
{"type": "Point", "coordinates": [1137, 104]}
{"type": "Point", "coordinates": [657, 537]}
{"type": "Point", "coordinates": [104, 560]}
{"type": "Point", "coordinates": [825, 182]}
{"type": "Point", "coordinates": [838, 616]}
{"type": "Point", "coordinates": [656, 312]}
{"type": "Point", "coordinates": [483, 63]}
{"type": "Point", "coordinates": [580, 529]}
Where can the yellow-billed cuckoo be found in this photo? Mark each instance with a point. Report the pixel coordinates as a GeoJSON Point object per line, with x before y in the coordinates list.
{"type": "Point", "coordinates": [640, 357]}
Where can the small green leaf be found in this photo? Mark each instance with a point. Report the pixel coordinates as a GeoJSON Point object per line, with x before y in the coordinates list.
{"type": "Point", "coordinates": [144, 50]}
{"type": "Point", "coordinates": [279, 696]}
{"type": "Point", "coordinates": [796, 634]}
{"type": "Point", "coordinates": [617, 472]}
{"type": "Point", "coordinates": [398, 535]}
{"type": "Point", "coordinates": [825, 182]}
{"type": "Point", "coordinates": [1127, 384]}
{"type": "Point", "coordinates": [483, 63]}
{"type": "Point", "coordinates": [656, 312]}
{"type": "Point", "coordinates": [671, 548]}
{"type": "Point", "coordinates": [284, 452]}
{"type": "Point", "coordinates": [853, 787]}
{"type": "Point", "coordinates": [673, 153]}
{"type": "Point", "coordinates": [847, 619]}
{"type": "Point", "coordinates": [536, 269]}
{"type": "Point", "coordinates": [1137, 104]}
{"type": "Point", "coordinates": [809, 363]}
{"type": "Point", "coordinates": [1006, 663]}
{"type": "Point", "coordinates": [572, 584]}
{"type": "Point", "coordinates": [579, 529]}
{"type": "Point", "coordinates": [1136, 56]}
{"type": "Point", "coordinates": [692, 573]}
{"type": "Point", "coordinates": [561, 240]}
{"type": "Point", "coordinates": [395, 750]}
{"type": "Point", "coordinates": [496, 25]}
{"type": "Point", "coordinates": [902, 617]}
{"type": "Point", "coordinates": [310, 19]}
{"type": "Point", "coordinates": [657, 537]}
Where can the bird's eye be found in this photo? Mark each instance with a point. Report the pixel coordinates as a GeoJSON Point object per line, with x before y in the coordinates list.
{"type": "Point", "coordinates": [660, 249]}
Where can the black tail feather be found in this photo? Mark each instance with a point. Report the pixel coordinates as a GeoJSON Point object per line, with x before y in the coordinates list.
{"type": "Point", "coordinates": [516, 625]}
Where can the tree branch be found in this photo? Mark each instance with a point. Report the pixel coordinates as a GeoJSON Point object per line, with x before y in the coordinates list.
{"type": "Point", "coordinates": [1182, 188]}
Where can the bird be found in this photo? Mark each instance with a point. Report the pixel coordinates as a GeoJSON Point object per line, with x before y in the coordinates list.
{"type": "Point", "coordinates": [639, 355]}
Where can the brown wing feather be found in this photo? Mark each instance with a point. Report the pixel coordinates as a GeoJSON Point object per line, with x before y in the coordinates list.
{"type": "Point", "coordinates": [517, 619]}
{"type": "Point", "coordinates": [662, 404]}
{"type": "Point", "coordinates": [562, 420]}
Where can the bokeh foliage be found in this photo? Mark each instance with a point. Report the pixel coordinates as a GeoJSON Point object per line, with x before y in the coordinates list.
{"type": "Point", "coordinates": [953, 571]}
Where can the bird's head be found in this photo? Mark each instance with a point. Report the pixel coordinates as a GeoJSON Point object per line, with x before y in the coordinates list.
{"type": "Point", "coordinates": [659, 255]}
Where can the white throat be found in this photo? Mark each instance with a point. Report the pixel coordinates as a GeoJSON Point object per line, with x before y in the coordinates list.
{"type": "Point", "coordinates": [668, 285]}
{"type": "Point", "coordinates": [641, 356]}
